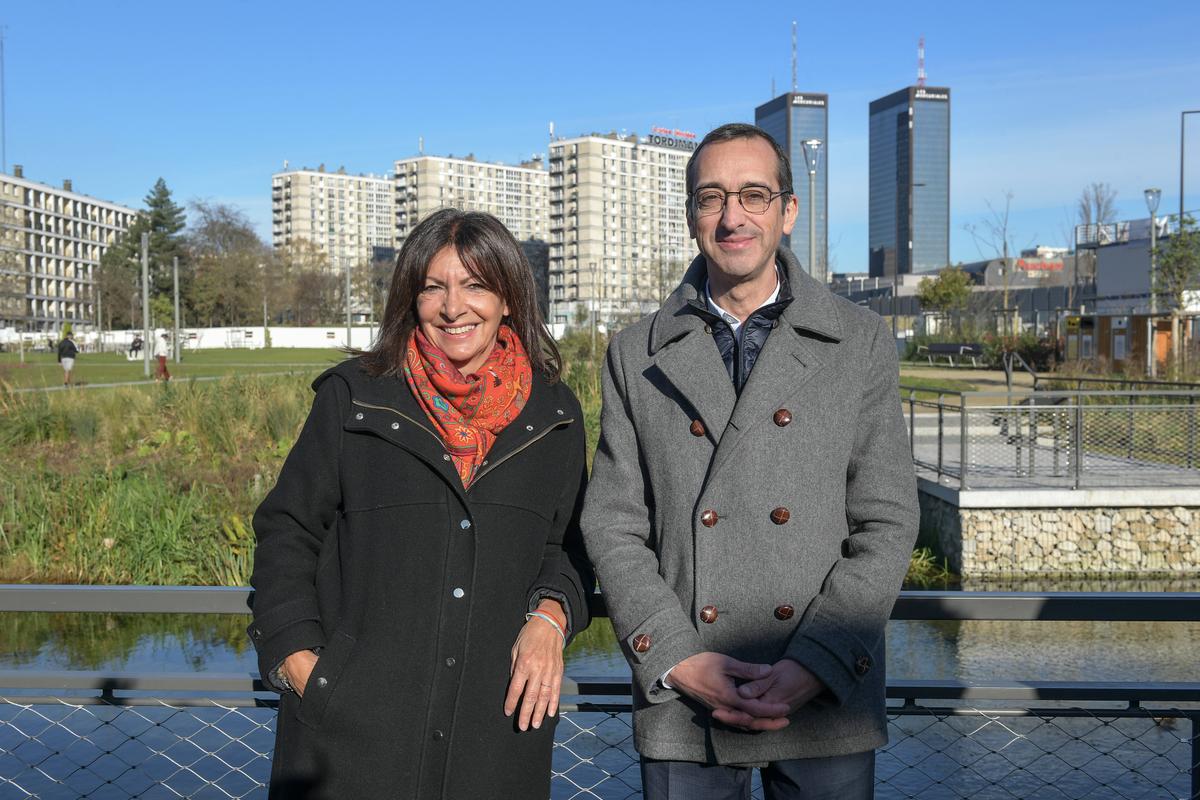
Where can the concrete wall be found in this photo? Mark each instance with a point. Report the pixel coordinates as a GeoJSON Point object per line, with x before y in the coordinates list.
{"type": "Point", "coordinates": [1093, 541]}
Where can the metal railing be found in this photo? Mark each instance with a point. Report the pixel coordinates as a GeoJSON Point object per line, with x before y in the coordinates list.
{"type": "Point", "coordinates": [97, 734]}
{"type": "Point", "coordinates": [1056, 439]}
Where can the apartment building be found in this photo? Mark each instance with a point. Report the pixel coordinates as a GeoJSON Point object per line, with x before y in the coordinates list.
{"type": "Point", "coordinates": [51, 241]}
{"type": "Point", "coordinates": [618, 239]}
{"type": "Point", "coordinates": [346, 216]}
{"type": "Point", "coordinates": [517, 195]}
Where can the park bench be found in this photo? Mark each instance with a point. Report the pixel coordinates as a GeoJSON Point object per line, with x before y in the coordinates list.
{"type": "Point", "coordinates": [951, 351]}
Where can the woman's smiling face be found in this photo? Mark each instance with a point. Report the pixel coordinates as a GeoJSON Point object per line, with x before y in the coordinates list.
{"type": "Point", "coordinates": [457, 313]}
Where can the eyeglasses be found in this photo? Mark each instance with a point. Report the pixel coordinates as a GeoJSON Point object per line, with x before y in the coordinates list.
{"type": "Point", "coordinates": [755, 199]}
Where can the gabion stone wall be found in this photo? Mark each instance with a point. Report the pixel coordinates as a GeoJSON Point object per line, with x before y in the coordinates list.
{"type": "Point", "coordinates": [1115, 542]}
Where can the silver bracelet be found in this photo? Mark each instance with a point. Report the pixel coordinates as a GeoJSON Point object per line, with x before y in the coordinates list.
{"type": "Point", "coordinates": [544, 616]}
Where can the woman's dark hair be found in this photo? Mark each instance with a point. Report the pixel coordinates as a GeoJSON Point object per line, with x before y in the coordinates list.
{"type": "Point", "coordinates": [492, 256]}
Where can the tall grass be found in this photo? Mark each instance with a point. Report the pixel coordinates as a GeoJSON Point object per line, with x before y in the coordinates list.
{"type": "Point", "coordinates": [136, 486]}
{"type": "Point", "coordinates": [156, 485]}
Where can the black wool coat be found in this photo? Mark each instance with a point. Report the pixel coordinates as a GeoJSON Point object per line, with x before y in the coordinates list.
{"type": "Point", "coordinates": [415, 590]}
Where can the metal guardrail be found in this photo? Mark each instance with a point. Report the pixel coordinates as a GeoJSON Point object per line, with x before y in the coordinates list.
{"type": "Point", "coordinates": [912, 604]}
{"type": "Point", "coordinates": [1056, 439]}
{"type": "Point", "coordinates": [110, 734]}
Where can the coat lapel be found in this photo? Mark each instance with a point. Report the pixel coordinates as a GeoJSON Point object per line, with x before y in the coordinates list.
{"type": "Point", "coordinates": [686, 356]}
{"type": "Point", "coordinates": [798, 349]}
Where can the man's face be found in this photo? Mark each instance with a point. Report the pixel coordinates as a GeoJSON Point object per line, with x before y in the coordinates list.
{"type": "Point", "coordinates": [736, 243]}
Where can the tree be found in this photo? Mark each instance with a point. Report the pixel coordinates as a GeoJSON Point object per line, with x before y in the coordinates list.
{"type": "Point", "coordinates": [1097, 204]}
{"type": "Point", "coordinates": [994, 235]}
{"type": "Point", "coordinates": [312, 290]}
{"type": "Point", "coordinates": [119, 276]}
{"type": "Point", "coordinates": [13, 278]}
{"type": "Point", "coordinates": [948, 293]}
{"type": "Point", "coordinates": [166, 221]}
{"type": "Point", "coordinates": [228, 262]}
{"type": "Point", "coordinates": [1178, 271]}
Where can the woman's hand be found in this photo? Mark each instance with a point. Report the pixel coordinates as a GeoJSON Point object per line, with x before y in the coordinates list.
{"type": "Point", "coordinates": [298, 667]}
{"type": "Point", "coordinates": [535, 674]}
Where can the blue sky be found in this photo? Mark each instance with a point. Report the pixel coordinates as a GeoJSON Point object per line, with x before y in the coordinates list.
{"type": "Point", "coordinates": [1047, 96]}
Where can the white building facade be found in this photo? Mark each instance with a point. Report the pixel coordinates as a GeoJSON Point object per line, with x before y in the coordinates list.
{"type": "Point", "coordinates": [618, 237]}
{"type": "Point", "coordinates": [516, 195]}
{"type": "Point", "coordinates": [346, 216]}
{"type": "Point", "coordinates": [51, 242]}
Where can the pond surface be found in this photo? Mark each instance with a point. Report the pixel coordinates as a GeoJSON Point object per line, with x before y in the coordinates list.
{"type": "Point", "coordinates": [967, 650]}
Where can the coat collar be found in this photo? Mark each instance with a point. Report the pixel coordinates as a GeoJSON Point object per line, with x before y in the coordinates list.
{"type": "Point", "coordinates": [792, 355]}
{"type": "Point", "coordinates": [811, 311]}
{"type": "Point", "coordinates": [385, 406]}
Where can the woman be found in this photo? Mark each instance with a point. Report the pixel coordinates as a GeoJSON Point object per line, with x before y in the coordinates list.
{"type": "Point", "coordinates": [419, 567]}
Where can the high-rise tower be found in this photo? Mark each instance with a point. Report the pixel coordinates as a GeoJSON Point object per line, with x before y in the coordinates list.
{"type": "Point", "coordinates": [791, 119]}
{"type": "Point", "coordinates": [909, 227]}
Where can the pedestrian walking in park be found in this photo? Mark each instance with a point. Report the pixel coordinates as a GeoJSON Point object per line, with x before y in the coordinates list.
{"type": "Point", "coordinates": [753, 506]}
{"type": "Point", "coordinates": [67, 351]}
{"type": "Point", "coordinates": [162, 349]}
{"type": "Point", "coordinates": [135, 347]}
{"type": "Point", "coordinates": [419, 567]}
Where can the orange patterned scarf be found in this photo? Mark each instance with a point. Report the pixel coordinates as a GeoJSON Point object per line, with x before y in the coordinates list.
{"type": "Point", "coordinates": [469, 411]}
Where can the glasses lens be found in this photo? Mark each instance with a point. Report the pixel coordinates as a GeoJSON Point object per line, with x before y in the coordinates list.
{"type": "Point", "coordinates": [755, 200]}
{"type": "Point", "coordinates": [708, 200]}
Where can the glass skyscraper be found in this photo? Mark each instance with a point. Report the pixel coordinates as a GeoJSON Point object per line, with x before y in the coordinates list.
{"type": "Point", "coordinates": [909, 228]}
{"type": "Point", "coordinates": [790, 119]}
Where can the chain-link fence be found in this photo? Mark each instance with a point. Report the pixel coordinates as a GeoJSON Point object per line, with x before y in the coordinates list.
{"type": "Point", "coordinates": [152, 748]}
{"type": "Point", "coordinates": [1058, 439]}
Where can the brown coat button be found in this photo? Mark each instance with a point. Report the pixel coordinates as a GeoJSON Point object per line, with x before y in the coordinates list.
{"type": "Point", "coordinates": [697, 428]}
{"type": "Point", "coordinates": [784, 612]}
{"type": "Point", "coordinates": [708, 614]}
{"type": "Point", "coordinates": [709, 518]}
{"type": "Point", "coordinates": [780, 515]}
{"type": "Point", "coordinates": [782, 417]}
{"type": "Point", "coordinates": [862, 665]}
{"type": "Point", "coordinates": [641, 643]}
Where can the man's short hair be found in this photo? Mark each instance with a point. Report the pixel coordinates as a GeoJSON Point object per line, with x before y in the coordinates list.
{"type": "Point", "coordinates": [742, 130]}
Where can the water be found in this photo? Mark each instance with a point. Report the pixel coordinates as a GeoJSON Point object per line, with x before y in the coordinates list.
{"type": "Point", "coordinates": [977, 651]}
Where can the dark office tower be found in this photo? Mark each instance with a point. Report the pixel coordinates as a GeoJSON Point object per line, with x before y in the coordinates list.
{"type": "Point", "coordinates": [909, 227]}
{"type": "Point", "coordinates": [791, 119]}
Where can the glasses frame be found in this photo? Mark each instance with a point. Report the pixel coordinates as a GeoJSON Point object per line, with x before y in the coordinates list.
{"type": "Point", "coordinates": [771, 197]}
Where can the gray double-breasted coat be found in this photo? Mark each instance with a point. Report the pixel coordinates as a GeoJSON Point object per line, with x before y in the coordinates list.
{"type": "Point", "coordinates": [775, 524]}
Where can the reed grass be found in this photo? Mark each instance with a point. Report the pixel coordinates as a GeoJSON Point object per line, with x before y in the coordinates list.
{"type": "Point", "coordinates": [157, 484]}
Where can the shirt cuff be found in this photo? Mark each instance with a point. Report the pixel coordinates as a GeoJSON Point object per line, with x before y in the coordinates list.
{"type": "Point", "coordinates": [662, 679]}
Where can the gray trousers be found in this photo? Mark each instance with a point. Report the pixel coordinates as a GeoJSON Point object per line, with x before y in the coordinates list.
{"type": "Point", "coordinates": [850, 777]}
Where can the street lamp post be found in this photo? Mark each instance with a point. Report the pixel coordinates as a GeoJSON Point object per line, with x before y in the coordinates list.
{"type": "Point", "coordinates": [1182, 119]}
{"type": "Point", "coordinates": [1152, 198]}
{"type": "Point", "coordinates": [812, 155]}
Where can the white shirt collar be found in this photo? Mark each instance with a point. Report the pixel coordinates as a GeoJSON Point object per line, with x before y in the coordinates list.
{"type": "Point", "coordinates": [734, 322]}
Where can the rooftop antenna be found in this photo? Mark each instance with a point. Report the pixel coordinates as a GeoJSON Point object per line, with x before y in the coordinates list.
{"type": "Point", "coordinates": [420, 145]}
{"type": "Point", "coordinates": [921, 61]}
{"type": "Point", "coordinates": [794, 84]}
{"type": "Point", "coordinates": [772, 86]}
{"type": "Point", "coordinates": [552, 130]}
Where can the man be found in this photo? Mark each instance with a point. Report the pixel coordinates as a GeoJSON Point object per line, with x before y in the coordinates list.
{"type": "Point", "coordinates": [162, 349]}
{"type": "Point", "coordinates": [67, 351]}
{"type": "Point", "coordinates": [752, 508]}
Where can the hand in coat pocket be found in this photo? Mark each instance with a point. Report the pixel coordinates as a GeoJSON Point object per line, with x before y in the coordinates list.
{"type": "Point", "coordinates": [298, 667]}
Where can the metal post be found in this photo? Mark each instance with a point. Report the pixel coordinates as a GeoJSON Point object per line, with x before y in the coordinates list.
{"type": "Point", "coordinates": [912, 423]}
{"type": "Point", "coordinates": [175, 280]}
{"type": "Point", "coordinates": [941, 413]}
{"type": "Point", "coordinates": [1195, 766]}
{"type": "Point", "coordinates": [1033, 434]}
{"type": "Point", "coordinates": [964, 427]}
{"type": "Point", "coordinates": [1191, 432]}
{"type": "Point", "coordinates": [348, 320]}
{"type": "Point", "coordinates": [147, 342]}
{"type": "Point", "coordinates": [1077, 441]}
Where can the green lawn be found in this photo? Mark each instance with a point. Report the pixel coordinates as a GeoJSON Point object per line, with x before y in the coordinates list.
{"type": "Point", "coordinates": [42, 369]}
